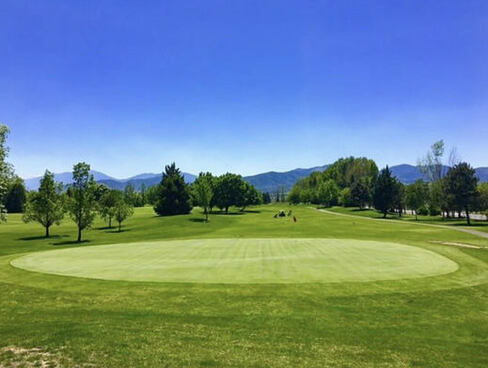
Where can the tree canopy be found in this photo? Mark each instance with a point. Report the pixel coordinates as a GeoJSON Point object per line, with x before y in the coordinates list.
{"type": "Point", "coordinates": [173, 194]}
{"type": "Point", "coordinates": [82, 200]}
{"type": "Point", "coordinates": [46, 206]}
{"type": "Point", "coordinates": [461, 186]}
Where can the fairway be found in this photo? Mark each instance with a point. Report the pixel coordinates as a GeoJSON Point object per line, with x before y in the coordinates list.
{"type": "Point", "coordinates": [243, 261]}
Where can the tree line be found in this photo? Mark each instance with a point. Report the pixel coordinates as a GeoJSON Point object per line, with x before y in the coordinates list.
{"type": "Point", "coordinates": [358, 182]}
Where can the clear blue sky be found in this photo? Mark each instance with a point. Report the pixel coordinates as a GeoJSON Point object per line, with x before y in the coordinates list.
{"type": "Point", "coordinates": [243, 86]}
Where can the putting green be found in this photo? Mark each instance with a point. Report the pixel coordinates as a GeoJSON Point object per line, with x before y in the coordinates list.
{"type": "Point", "coordinates": [243, 261]}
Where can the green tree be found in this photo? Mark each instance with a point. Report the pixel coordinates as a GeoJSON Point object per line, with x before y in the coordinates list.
{"type": "Point", "coordinates": [416, 196]}
{"type": "Point", "coordinates": [130, 195]}
{"type": "Point", "coordinates": [345, 197]}
{"type": "Point", "coordinates": [82, 203]}
{"type": "Point", "coordinates": [5, 170]}
{"type": "Point", "coordinates": [16, 196]}
{"type": "Point", "coordinates": [173, 196]}
{"type": "Point", "coordinates": [328, 193]}
{"type": "Point", "coordinates": [347, 171]}
{"type": "Point", "coordinates": [203, 193]}
{"type": "Point", "coordinates": [399, 197]}
{"type": "Point", "coordinates": [384, 192]}
{"type": "Point", "coordinates": [266, 198]}
{"type": "Point", "coordinates": [461, 184]}
{"type": "Point", "coordinates": [46, 206]}
{"type": "Point", "coordinates": [152, 195]}
{"type": "Point", "coordinates": [483, 198]}
{"type": "Point", "coordinates": [122, 212]}
{"type": "Point", "coordinates": [249, 196]}
{"type": "Point", "coordinates": [361, 193]}
{"type": "Point", "coordinates": [99, 191]}
{"type": "Point", "coordinates": [294, 196]}
{"type": "Point", "coordinates": [108, 203]}
{"type": "Point", "coordinates": [228, 191]}
{"type": "Point", "coordinates": [143, 194]}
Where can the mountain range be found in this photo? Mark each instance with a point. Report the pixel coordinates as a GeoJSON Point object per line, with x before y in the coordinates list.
{"type": "Point", "coordinates": [271, 181]}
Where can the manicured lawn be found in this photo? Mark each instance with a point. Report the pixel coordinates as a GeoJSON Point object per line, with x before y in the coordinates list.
{"type": "Point", "coordinates": [440, 320]}
{"type": "Point", "coordinates": [243, 261]}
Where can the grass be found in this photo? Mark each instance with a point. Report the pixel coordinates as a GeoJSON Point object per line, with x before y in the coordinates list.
{"type": "Point", "coordinates": [435, 220]}
{"type": "Point", "coordinates": [434, 321]}
{"type": "Point", "coordinates": [243, 261]}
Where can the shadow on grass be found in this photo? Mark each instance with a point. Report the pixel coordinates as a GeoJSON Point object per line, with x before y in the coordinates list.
{"type": "Point", "coordinates": [473, 224]}
{"type": "Point", "coordinates": [197, 220]}
{"type": "Point", "coordinates": [42, 237]}
{"type": "Point", "coordinates": [117, 231]}
{"type": "Point", "coordinates": [71, 242]}
{"type": "Point", "coordinates": [219, 213]}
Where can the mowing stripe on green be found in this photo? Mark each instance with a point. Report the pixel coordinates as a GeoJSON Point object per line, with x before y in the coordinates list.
{"type": "Point", "coordinates": [243, 261]}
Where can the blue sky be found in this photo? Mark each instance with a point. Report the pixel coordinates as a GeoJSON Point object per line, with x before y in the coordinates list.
{"type": "Point", "coordinates": [241, 86]}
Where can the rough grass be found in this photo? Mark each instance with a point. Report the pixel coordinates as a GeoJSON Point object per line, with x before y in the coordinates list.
{"type": "Point", "coordinates": [438, 321]}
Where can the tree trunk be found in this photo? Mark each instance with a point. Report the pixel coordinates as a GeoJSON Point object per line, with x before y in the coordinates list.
{"type": "Point", "coordinates": [110, 222]}
{"type": "Point", "coordinates": [226, 210]}
{"type": "Point", "coordinates": [467, 217]}
{"type": "Point", "coordinates": [47, 231]}
{"type": "Point", "coordinates": [79, 234]}
{"type": "Point", "coordinates": [206, 215]}
{"type": "Point", "coordinates": [416, 219]}
{"type": "Point", "coordinates": [384, 214]}
{"type": "Point", "coordinates": [120, 227]}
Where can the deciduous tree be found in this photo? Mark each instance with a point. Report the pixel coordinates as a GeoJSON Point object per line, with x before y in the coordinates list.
{"type": "Point", "coordinates": [46, 206]}
{"type": "Point", "coordinates": [82, 203]}
{"type": "Point", "coordinates": [203, 192]}
{"type": "Point", "coordinates": [416, 196]}
{"type": "Point", "coordinates": [108, 203]}
{"type": "Point", "coordinates": [122, 212]}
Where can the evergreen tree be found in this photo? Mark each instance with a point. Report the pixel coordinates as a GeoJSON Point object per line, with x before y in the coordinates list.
{"type": "Point", "coordinates": [361, 193]}
{"type": "Point", "coordinates": [173, 194]}
{"type": "Point", "coordinates": [82, 203]}
{"type": "Point", "coordinates": [16, 196]}
{"type": "Point", "coordinates": [47, 205]}
{"type": "Point", "coordinates": [384, 193]}
{"type": "Point", "coordinates": [461, 185]}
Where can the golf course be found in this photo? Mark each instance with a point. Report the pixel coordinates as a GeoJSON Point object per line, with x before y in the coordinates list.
{"type": "Point", "coordinates": [244, 289]}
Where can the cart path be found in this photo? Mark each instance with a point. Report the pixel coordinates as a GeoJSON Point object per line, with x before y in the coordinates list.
{"type": "Point", "coordinates": [469, 231]}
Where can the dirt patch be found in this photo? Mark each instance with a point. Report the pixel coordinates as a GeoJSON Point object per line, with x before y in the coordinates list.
{"type": "Point", "coordinates": [456, 244]}
{"type": "Point", "coordinates": [14, 356]}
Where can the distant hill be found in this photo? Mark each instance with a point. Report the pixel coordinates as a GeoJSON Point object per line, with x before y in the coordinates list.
{"type": "Point", "coordinates": [482, 173]}
{"type": "Point", "coordinates": [148, 180]}
{"type": "Point", "coordinates": [408, 174]}
{"type": "Point", "coordinates": [271, 181]}
{"type": "Point", "coordinates": [136, 181]}
{"type": "Point", "coordinates": [65, 178]}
